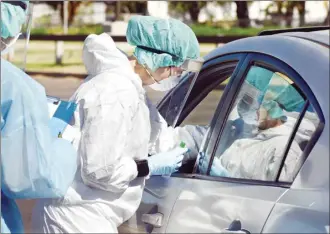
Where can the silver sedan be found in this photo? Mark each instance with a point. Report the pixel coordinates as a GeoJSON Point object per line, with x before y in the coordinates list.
{"type": "Point", "coordinates": [273, 181]}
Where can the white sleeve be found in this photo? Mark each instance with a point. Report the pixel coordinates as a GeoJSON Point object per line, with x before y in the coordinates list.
{"type": "Point", "coordinates": [102, 148]}
{"type": "Point", "coordinates": [164, 138]}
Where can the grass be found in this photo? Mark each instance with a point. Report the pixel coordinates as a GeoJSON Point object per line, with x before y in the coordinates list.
{"type": "Point", "coordinates": [85, 29]}
{"type": "Point", "coordinates": [199, 29]}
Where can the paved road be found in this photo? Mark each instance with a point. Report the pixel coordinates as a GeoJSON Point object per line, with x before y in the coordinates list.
{"type": "Point", "coordinates": [64, 88]}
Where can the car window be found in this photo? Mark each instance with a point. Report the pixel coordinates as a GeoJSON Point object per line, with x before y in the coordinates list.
{"type": "Point", "coordinates": [193, 122]}
{"type": "Point", "coordinates": [203, 112]}
{"type": "Point", "coordinates": [169, 106]}
{"type": "Point", "coordinates": [305, 131]}
{"type": "Point", "coordinates": [207, 87]}
{"type": "Point", "coordinates": [258, 129]}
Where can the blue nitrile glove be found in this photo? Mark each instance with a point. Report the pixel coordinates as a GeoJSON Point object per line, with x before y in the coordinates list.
{"type": "Point", "coordinates": [166, 163]}
{"type": "Point", "coordinates": [217, 169]}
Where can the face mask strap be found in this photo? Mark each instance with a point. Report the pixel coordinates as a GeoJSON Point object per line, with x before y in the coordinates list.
{"type": "Point", "coordinates": [151, 76]}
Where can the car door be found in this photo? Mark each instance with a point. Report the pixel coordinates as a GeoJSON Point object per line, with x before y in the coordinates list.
{"type": "Point", "coordinates": [210, 203]}
{"type": "Point", "coordinates": [198, 201]}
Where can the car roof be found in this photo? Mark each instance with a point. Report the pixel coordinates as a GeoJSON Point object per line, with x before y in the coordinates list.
{"type": "Point", "coordinates": [321, 37]}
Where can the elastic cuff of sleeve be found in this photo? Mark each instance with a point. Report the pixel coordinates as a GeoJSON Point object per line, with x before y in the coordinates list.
{"type": "Point", "coordinates": [142, 168]}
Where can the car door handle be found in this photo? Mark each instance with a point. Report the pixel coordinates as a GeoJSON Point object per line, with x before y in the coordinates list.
{"type": "Point", "coordinates": [235, 227]}
{"type": "Point", "coordinates": [155, 220]}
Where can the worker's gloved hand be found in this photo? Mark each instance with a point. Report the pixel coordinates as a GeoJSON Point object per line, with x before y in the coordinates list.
{"type": "Point", "coordinates": [217, 169]}
{"type": "Point", "coordinates": [166, 163]}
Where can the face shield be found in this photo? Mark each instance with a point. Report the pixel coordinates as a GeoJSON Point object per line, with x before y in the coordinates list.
{"type": "Point", "coordinates": [248, 104]}
{"type": "Point", "coordinates": [15, 48]}
{"type": "Point", "coordinates": [190, 65]}
{"type": "Point", "coordinates": [178, 98]}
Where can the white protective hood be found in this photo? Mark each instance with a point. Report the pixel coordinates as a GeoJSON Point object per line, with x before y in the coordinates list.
{"type": "Point", "coordinates": [100, 54]}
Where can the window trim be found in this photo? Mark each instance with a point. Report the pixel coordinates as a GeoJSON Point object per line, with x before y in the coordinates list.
{"type": "Point", "coordinates": [291, 139]}
{"type": "Point", "coordinates": [274, 64]}
{"type": "Point", "coordinates": [228, 97]}
{"type": "Point", "coordinates": [212, 136]}
{"type": "Point", "coordinates": [231, 180]}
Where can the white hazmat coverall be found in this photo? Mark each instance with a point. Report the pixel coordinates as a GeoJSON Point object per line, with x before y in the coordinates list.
{"type": "Point", "coordinates": [113, 130]}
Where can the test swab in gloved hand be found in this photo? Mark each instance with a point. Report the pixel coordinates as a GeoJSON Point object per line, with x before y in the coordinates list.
{"type": "Point", "coordinates": [167, 163]}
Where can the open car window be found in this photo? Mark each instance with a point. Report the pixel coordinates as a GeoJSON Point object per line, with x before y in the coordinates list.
{"type": "Point", "coordinates": [200, 97]}
{"type": "Point", "coordinates": [169, 107]}
{"type": "Point", "coordinates": [193, 92]}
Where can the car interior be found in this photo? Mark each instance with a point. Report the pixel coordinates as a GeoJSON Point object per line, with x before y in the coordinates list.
{"type": "Point", "coordinates": [204, 84]}
{"type": "Point", "coordinates": [208, 81]}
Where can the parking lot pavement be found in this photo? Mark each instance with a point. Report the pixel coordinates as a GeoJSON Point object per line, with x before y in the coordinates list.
{"type": "Point", "coordinates": [65, 87]}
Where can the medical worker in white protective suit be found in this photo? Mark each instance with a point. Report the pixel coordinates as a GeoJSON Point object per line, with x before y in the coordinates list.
{"type": "Point", "coordinates": [116, 133]}
{"type": "Point", "coordinates": [259, 155]}
{"type": "Point", "coordinates": [34, 164]}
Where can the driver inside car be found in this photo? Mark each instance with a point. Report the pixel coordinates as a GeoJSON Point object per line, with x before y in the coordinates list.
{"type": "Point", "coordinates": [259, 156]}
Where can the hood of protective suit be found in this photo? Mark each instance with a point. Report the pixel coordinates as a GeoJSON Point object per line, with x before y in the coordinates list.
{"type": "Point", "coordinates": [100, 54]}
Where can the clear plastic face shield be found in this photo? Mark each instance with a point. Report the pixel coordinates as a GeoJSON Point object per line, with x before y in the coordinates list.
{"type": "Point", "coordinates": [179, 94]}
{"type": "Point", "coordinates": [174, 76]}
{"type": "Point", "coordinates": [14, 49]}
{"type": "Point", "coordinates": [248, 103]}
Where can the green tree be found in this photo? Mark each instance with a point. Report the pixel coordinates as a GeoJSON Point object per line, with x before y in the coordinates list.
{"type": "Point", "coordinates": [242, 14]}
{"type": "Point", "coordinates": [300, 6]}
{"type": "Point", "coordinates": [192, 7]}
{"type": "Point", "coordinates": [139, 7]}
{"type": "Point", "coordinates": [327, 19]}
{"type": "Point", "coordinates": [284, 10]}
{"type": "Point", "coordinates": [59, 5]}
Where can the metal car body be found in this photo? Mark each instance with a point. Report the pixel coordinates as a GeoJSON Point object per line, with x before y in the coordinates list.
{"type": "Point", "coordinates": [193, 201]}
